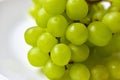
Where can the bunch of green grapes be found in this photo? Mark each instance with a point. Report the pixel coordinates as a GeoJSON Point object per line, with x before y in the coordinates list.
{"type": "Point", "coordinates": [75, 39]}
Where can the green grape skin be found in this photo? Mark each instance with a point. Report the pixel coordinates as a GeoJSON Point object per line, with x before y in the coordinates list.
{"type": "Point", "coordinates": [86, 20]}
{"type": "Point", "coordinates": [77, 33]}
{"type": "Point", "coordinates": [76, 9]}
{"type": "Point", "coordinates": [31, 35]}
{"type": "Point", "coordinates": [54, 7]}
{"type": "Point", "coordinates": [113, 66]}
{"type": "Point", "coordinates": [38, 2]}
{"type": "Point", "coordinates": [99, 33]}
{"type": "Point", "coordinates": [43, 18]}
{"type": "Point", "coordinates": [95, 8]}
{"type": "Point", "coordinates": [79, 53]}
{"type": "Point", "coordinates": [57, 25]}
{"type": "Point", "coordinates": [116, 3]}
{"type": "Point", "coordinates": [64, 40]}
{"type": "Point", "coordinates": [33, 11]}
{"type": "Point", "coordinates": [79, 71]}
{"type": "Point", "coordinates": [53, 71]}
{"type": "Point", "coordinates": [113, 9]}
{"type": "Point", "coordinates": [46, 42]}
{"type": "Point", "coordinates": [112, 20]}
{"type": "Point", "coordinates": [61, 54]}
{"type": "Point", "coordinates": [98, 15]}
{"type": "Point", "coordinates": [99, 72]}
{"type": "Point", "coordinates": [37, 58]}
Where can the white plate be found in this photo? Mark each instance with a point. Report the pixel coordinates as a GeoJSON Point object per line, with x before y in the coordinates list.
{"type": "Point", "coordinates": [14, 20]}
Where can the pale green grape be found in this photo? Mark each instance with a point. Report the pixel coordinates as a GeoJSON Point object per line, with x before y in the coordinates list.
{"type": "Point", "coordinates": [64, 40]}
{"type": "Point", "coordinates": [38, 2]}
{"type": "Point", "coordinates": [34, 10]}
{"type": "Point", "coordinates": [55, 7]}
{"type": "Point", "coordinates": [116, 3]}
{"type": "Point", "coordinates": [113, 9]}
{"type": "Point", "coordinates": [61, 54]}
{"type": "Point", "coordinates": [53, 71]}
{"type": "Point", "coordinates": [79, 53]}
{"type": "Point", "coordinates": [31, 35]}
{"type": "Point", "coordinates": [36, 57]}
{"type": "Point", "coordinates": [99, 33]}
{"type": "Point", "coordinates": [57, 25]}
{"type": "Point", "coordinates": [42, 18]}
{"type": "Point", "coordinates": [112, 20]}
{"type": "Point", "coordinates": [46, 42]}
{"type": "Point", "coordinates": [79, 72]}
{"type": "Point", "coordinates": [98, 15]}
{"type": "Point", "coordinates": [77, 33]}
{"type": "Point", "coordinates": [99, 72]}
{"type": "Point", "coordinates": [114, 68]}
{"type": "Point", "coordinates": [76, 9]}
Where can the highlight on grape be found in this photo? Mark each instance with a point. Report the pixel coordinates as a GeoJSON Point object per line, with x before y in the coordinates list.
{"type": "Point", "coordinates": [75, 39]}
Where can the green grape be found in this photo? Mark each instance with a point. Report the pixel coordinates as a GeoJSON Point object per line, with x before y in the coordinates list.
{"type": "Point", "coordinates": [38, 2]}
{"type": "Point", "coordinates": [55, 7]}
{"type": "Point", "coordinates": [31, 35]}
{"type": "Point", "coordinates": [79, 53]}
{"type": "Point", "coordinates": [95, 8]}
{"type": "Point", "coordinates": [113, 9]}
{"type": "Point", "coordinates": [36, 57]}
{"type": "Point", "coordinates": [79, 72]}
{"type": "Point", "coordinates": [76, 9]}
{"type": "Point", "coordinates": [77, 33]}
{"type": "Point", "coordinates": [53, 71]}
{"type": "Point", "coordinates": [112, 20]}
{"type": "Point", "coordinates": [114, 68]}
{"type": "Point", "coordinates": [86, 20]}
{"type": "Point", "coordinates": [64, 77]}
{"type": "Point", "coordinates": [61, 54]}
{"type": "Point", "coordinates": [64, 40]}
{"type": "Point", "coordinates": [98, 15]}
{"type": "Point", "coordinates": [34, 10]}
{"type": "Point", "coordinates": [116, 3]}
{"type": "Point", "coordinates": [57, 25]}
{"type": "Point", "coordinates": [46, 42]}
{"type": "Point", "coordinates": [99, 33]}
{"type": "Point", "coordinates": [42, 18]}
{"type": "Point", "coordinates": [99, 72]}
{"type": "Point", "coordinates": [67, 18]}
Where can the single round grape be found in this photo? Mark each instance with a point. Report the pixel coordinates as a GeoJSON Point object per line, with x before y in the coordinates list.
{"type": "Point", "coordinates": [61, 54]}
{"type": "Point", "coordinates": [36, 57]}
{"type": "Point", "coordinates": [76, 9]}
{"type": "Point", "coordinates": [34, 10]}
{"type": "Point", "coordinates": [55, 7]}
{"type": "Point", "coordinates": [114, 68]}
{"type": "Point", "coordinates": [53, 71]}
{"type": "Point", "coordinates": [46, 42]}
{"type": "Point", "coordinates": [77, 33]}
{"type": "Point", "coordinates": [57, 25]}
{"type": "Point", "coordinates": [112, 20]}
{"type": "Point", "coordinates": [99, 72]}
{"type": "Point", "coordinates": [31, 35]}
{"type": "Point", "coordinates": [79, 72]}
{"type": "Point", "coordinates": [42, 18]}
{"type": "Point", "coordinates": [79, 53]}
{"type": "Point", "coordinates": [99, 33]}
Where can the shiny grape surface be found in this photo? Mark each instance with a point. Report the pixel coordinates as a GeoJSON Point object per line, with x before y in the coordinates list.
{"type": "Point", "coordinates": [75, 39]}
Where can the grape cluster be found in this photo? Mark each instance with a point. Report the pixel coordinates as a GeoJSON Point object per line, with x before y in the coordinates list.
{"type": "Point", "coordinates": [75, 39]}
